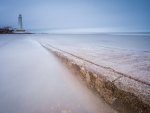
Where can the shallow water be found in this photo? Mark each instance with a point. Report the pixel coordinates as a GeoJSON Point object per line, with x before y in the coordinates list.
{"type": "Point", "coordinates": [32, 80]}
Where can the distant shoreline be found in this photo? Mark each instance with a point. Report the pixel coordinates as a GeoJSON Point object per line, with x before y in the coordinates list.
{"type": "Point", "coordinates": [17, 33]}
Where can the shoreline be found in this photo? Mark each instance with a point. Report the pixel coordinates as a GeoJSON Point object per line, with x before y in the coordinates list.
{"type": "Point", "coordinates": [122, 93]}
{"type": "Point", "coordinates": [17, 33]}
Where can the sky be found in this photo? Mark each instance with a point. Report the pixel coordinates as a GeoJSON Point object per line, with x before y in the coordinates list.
{"type": "Point", "coordinates": [102, 15]}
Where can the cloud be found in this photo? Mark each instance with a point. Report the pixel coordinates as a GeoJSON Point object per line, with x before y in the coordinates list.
{"type": "Point", "coordinates": [73, 14]}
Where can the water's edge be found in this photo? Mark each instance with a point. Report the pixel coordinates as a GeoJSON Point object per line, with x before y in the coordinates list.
{"type": "Point", "coordinates": [123, 101]}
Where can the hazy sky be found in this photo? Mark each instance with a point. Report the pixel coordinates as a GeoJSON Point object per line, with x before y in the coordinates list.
{"type": "Point", "coordinates": [123, 15]}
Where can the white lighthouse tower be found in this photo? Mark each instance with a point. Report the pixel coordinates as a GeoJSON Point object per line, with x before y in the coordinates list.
{"type": "Point", "coordinates": [20, 24]}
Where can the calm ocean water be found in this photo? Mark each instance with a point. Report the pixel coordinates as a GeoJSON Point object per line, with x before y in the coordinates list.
{"type": "Point", "coordinates": [125, 53]}
{"type": "Point", "coordinates": [137, 42]}
{"type": "Point", "coordinates": [32, 80]}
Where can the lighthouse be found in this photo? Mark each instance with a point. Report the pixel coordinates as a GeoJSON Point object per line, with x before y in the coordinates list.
{"type": "Point", "coordinates": [20, 25]}
{"type": "Point", "coordinates": [20, 22]}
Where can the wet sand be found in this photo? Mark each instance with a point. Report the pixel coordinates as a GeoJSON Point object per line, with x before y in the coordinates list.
{"type": "Point", "coordinates": [32, 80]}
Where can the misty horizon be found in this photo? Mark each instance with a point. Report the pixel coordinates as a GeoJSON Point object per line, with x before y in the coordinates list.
{"type": "Point", "coordinates": [117, 16]}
